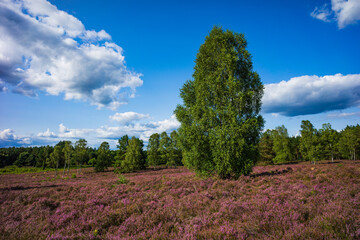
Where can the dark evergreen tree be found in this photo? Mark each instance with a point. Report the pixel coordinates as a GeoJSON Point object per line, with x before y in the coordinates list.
{"type": "Point", "coordinates": [266, 144]}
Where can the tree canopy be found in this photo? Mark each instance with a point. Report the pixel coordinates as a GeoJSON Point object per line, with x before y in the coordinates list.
{"type": "Point", "coordinates": [220, 120]}
{"type": "Point", "coordinates": [104, 158]}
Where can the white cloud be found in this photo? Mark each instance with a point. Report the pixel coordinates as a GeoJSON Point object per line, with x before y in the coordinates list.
{"type": "Point", "coordinates": [9, 139]}
{"type": "Point", "coordinates": [166, 125]}
{"type": "Point", "coordinates": [7, 134]}
{"type": "Point", "coordinates": [47, 134]}
{"type": "Point", "coordinates": [65, 132]}
{"type": "Point", "coordinates": [46, 49]}
{"type": "Point", "coordinates": [312, 94]}
{"type": "Point", "coordinates": [344, 12]}
{"type": "Point", "coordinates": [322, 13]}
{"type": "Point", "coordinates": [128, 117]}
{"type": "Point", "coordinates": [342, 115]}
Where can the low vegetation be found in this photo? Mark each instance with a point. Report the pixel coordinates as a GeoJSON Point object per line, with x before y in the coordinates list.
{"type": "Point", "coordinates": [296, 201]}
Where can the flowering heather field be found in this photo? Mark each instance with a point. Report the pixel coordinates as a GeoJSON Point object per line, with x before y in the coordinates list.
{"type": "Point", "coordinates": [299, 201]}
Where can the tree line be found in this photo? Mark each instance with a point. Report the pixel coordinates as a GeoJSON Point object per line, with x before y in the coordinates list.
{"type": "Point", "coordinates": [276, 146]}
{"type": "Point", "coordinates": [130, 155]}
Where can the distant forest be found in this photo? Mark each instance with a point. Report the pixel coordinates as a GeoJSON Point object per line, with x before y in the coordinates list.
{"type": "Point", "coordinates": [275, 147]}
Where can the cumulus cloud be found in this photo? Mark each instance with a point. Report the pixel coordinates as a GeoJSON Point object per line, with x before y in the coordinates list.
{"type": "Point", "coordinates": [312, 94]}
{"type": "Point", "coordinates": [9, 139]}
{"type": "Point", "coordinates": [7, 134]}
{"type": "Point", "coordinates": [65, 132]}
{"type": "Point", "coordinates": [344, 12]}
{"type": "Point", "coordinates": [47, 134]}
{"type": "Point", "coordinates": [166, 125]}
{"type": "Point", "coordinates": [46, 49]}
{"type": "Point", "coordinates": [128, 117]}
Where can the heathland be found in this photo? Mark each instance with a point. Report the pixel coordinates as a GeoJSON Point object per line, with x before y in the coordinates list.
{"type": "Point", "coordinates": [293, 201]}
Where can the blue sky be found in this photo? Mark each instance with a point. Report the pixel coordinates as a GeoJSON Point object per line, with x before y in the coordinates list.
{"type": "Point", "coordinates": [75, 69]}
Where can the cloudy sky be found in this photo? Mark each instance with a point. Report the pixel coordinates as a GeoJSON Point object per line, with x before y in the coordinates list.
{"type": "Point", "coordinates": [100, 70]}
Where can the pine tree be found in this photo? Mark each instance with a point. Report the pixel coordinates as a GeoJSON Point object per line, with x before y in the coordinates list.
{"type": "Point", "coordinates": [266, 144]}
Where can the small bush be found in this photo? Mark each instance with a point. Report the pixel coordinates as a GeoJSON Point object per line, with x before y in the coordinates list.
{"type": "Point", "coordinates": [73, 175]}
{"type": "Point", "coordinates": [122, 179]}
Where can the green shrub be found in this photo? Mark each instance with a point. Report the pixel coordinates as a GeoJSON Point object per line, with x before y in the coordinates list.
{"type": "Point", "coordinates": [122, 179]}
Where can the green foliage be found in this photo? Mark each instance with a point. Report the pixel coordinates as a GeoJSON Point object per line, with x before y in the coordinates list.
{"type": "Point", "coordinates": [81, 152]}
{"type": "Point", "coordinates": [13, 169]}
{"type": "Point", "coordinates": [45, 156]}
{"type": "Point", "coordinates": [174, 152]}
{"type": "Point", "coordinates": [92, 162]}
{"type": "Point", "coordinates": [55, 157]}
{"type": "Point", "coordinates": [266, 144]}
{"type": "Point", "coordinates": [122, 179]}
{"type": "Point", "coordinates": [134, 158]}
{"type": "Point", "coordinates": [295, 147]}
{"type": "Point", "coordinates": [309, 142]}
{"type": "Point", "coordinates": [349, 142]}
{"type": "Point", "coordinates": [22, 159]}
{"type": "Point", "coordinates": [120, 153]}
{"type": "Point", "coordinates": [281, 145]}
{"type": "Point", "coordinates": [104, 159]}
{"type": "Point", "coordinates": [123, 143]}
{"type": "Point", "coordinates": [220, 121]}
{"type": "Point", "coordinates": [329, 141]}
{"type": "Point", "coordinates": [73, 175]}
{"type": "Point", "coordinates": [67, 150]}
{"type": "Point", "coordinates": [165, 142]}
{"type": "Point", "coordinates": [153, 150]}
